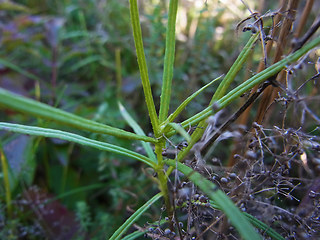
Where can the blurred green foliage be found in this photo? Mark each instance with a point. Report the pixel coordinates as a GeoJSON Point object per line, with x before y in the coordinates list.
{"type": "Point", "coordinates": [70, 45]}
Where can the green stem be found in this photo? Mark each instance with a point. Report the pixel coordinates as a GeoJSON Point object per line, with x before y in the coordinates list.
{"type": "Point", "coordinates": [162, 177]}
{"type": "Point", "coordinates": [137, 35]}
{"type": "Point", "coordinates": [168, 61]}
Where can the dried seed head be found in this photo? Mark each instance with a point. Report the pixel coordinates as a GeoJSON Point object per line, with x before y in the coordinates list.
{"type": "Point", "coordinates": [316, 148]}
{"type": "Point", "coordinates": [224, 180]}
{"type": "Point", "coordinates": [251, 154]}
{"type": "Point", "coordinates": [203, 199]}
{"type": "Point", "coordinates": [167, 232]}
{"type": "Point", "coordinates": [252, 145]}
{"type": "Point", "coordinates": [256, 125]}
{"type": "Point", "coordinates": [196, 196]}
{"type": "Point", "coordinates": [233, 176]}
{"type": "Point", "coordinates": [312, 194]}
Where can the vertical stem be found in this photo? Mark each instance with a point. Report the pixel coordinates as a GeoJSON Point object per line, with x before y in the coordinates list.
{"type": "Point", "coordinates": [168, 61]}
{"type": "Point", "coordinates": [137, 35]}
{"type": "Point", "coordinates": [134, 12]}
{"type": "Point", "coordinates": [118, 71]}
{"type": "Point", "coordinates": [162, 176]}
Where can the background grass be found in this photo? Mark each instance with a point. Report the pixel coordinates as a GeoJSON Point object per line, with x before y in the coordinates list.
{"type": "Point", "coordinates": [64, 53]}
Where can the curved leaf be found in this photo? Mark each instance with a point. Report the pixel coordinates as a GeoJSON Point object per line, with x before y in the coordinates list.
{"type": "Point", "coordinates": [47, 132]}
{"type": "Point", "coordinates": [188, 100]}
{"type": "Point", "coordinates": [261, 225]}
{"type": "Point", "coordinates": [134, 217]}
{"type": "Point", "coordinates": [138, 130]}
{"type": "Point", "coordinates": [250, 83]}
{"type": "Point", "coordinates": [180, 130]}
{"type": "Point", "coordinates": [32, 107]}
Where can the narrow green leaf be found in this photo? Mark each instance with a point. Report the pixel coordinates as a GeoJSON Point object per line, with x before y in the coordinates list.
{"type": "Point", "coordinates": [138, 130]}
{"type": "Point", "coordinates": [168, 61]}
{"type": "Point", "coordinates": [18, 69]}
{"type": "Point", "coordinates": [235, 68]}
{"type": "Point", "coordinates": [223, 86]}
{"type": "Point", "coordinates": [261, 225]}
{"type": "Point", "coordinates": [82, 63]}
{"type": "Point", "coordinates": [133, 235]}
{"type": "Point", "coordinates": [267, 73]}
{"type": "Point", "coordinates": [257, 223]}
{"type": "Point", "coordinates": [32, 107]}
{"type": "Point", "coordinates": [187, 101]}
{"type": "Point", "coordinates": [134, 217]}
{"type": "Point", "coordinates": [20, 153]}
{"type": "Point", "coordinates": [75, 191]}
{"type": "Point", "coordinates": [47, 132]}
{"type": "Point", "coordinates": [8, 5]}
{"type": "Point", "coordinates": [250, 83]}
{"type": "Point", "coordinates": [138, 233]}
{"type": "Point", "coordinates": [75, 34]}
{"type": "Point", "coordinates": [137, 35]}
{"type": "Point", "coordinates": [180, 130]}
{"type": "Point", "coordinates": [233, 213]}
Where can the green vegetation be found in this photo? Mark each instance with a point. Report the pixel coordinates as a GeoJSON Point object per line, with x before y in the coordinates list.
{"type": "Point", "coordinates": [88, 151]}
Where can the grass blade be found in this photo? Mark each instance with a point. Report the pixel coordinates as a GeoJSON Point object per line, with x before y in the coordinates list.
{"type": "Point", "coordinates": [11, 6]}
{"type": "Point", "coordinates": [181, 131]}
{"type": "Point", "coordinates": [168, 61]}
{"type": "Point", "coordinates": [133, 235]}
{"type": "Point", "coordinates": [138, 130]}
{"type": "Point", "coordinates": [32, 107]}
{"type": "Point", "coordinates": [84, 62]}
{"type": "Point", "coordinates": [187, 101]}
{"type": "Point", "coordinates": [71, 137]}
{"type": "Point", "coordinates": [257, 223]}
{"type": "Point", "coordinates": [250, 83]}
{"type": "Point", "coordinates": [134, 217]}
{"type": "Point", "coordinates": [137, 35]}
{"type": "Point", "coordinates": [235, 216]}
{"type": "Point", "coordinates": [261, 225]}
{"type": "Point", "coordinates": [235, 68]}
{"type": "Point", "coordinates": [19, 70]}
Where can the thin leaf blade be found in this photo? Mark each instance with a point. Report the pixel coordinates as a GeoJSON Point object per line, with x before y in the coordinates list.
{"type": "Point", "coordinates": [134, 217]}
{"type": "Point", "coordinates": [38, 109]}
{"type": "Point", "coordinates": [181, 131]}
{"type": "Point", "coordinates": [137, 35]}
{"type": "Point", "coordinates": [53, 133]}
{"type": "Point", "coordinates": [138, 130]}
{"type": "Point", "coordinates": [188, 100]}
{"type": "Point", "coordinates": [168, 61]}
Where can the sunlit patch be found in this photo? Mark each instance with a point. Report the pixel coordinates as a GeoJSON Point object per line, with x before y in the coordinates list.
{"type": "Point", "coordinates": [303, 158]}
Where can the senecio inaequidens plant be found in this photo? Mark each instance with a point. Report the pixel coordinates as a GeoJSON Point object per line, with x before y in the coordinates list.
{"type": "Point", "coordinates": [163, 125]}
